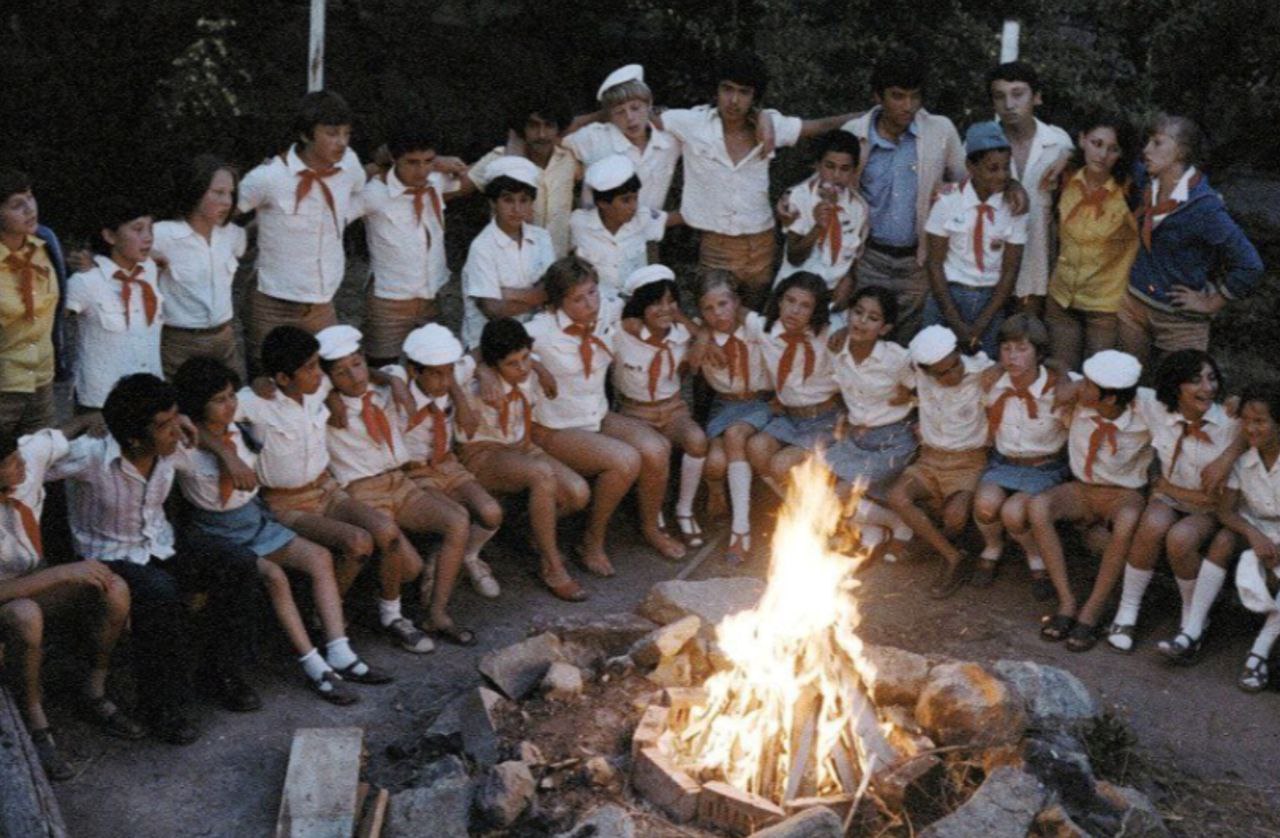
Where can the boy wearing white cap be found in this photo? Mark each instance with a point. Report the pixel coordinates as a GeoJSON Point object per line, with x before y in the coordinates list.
{"type": "Point", "coordinates": [1109, 448]}
{"type": "Point", "coordinates": [438, 373]}
{"type": "Point", "coordinates": [367, 452]}
{"type": "Point", "coordinates": [623, 126]}
{"type": "Point", "coordinates": [614, 235]}
{"type": "Point", "coordinates": [503, 272]}
{"type": "Point", "coordinates": [953, 450]}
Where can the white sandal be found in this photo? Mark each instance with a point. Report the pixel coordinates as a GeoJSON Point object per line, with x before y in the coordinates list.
{"type": "Point", "coordinates": [481, 576]}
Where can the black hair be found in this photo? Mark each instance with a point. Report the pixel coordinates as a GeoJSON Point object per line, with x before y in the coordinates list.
{"type": "Point", "coordinates": [977, 157]}
{"type": "Point", "coordinates": [1268, 394]}
{"type": "Point", "coordinates": [8, 444]}
{"type": "Point", "coordinates": [805, 281]}
{"type": "Point", "coordinates": [904, 69]}
{"type": "Point", "coordinates": [493, 189]}
{"type": "Point", "coordinates": [502, 337]}
{"type": "Point", "coordinates": [320, 107]}
{"type": "Point", "coordinates": [1123, 395]}
{"type": "Point", "coordinates": [1178, 368]}
{"type": "Point", "coordinates": [565, 274]}
{"type": "Point", "coordinates": [632, 184]}
{"type": "Point", "coordinates": [413, 134]}
{"type": "Point", "coordinates": [199, 177]}
{"type": "Point", "coordinates": [548, 105]}
{"type": "Point", "coordinates": [286, 349]}
{"type": "Point", "coordinates": [1012, 71]}
{"type": "Point", "coordinates": [1126, 138]}
{"type": "Point", "coordinates": [133, 403]}
{"type": "Point", "coordinates": [887, 299]}
{"type": "Point", "coordinates": [746, 69]}
{"type": "Point", "coordinates": [648, 294]}
{"type": "Point", "coordinates": [12, 182]}
{"type": "Point", "coordinates": [114, 212]}
{"type": "Point", "coordinates": [198, 380]}
{"type": "Point", "coordinates": [839, 141]}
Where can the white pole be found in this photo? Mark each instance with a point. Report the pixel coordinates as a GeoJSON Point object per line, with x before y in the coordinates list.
{"type": "Point", "coordinates": [1009, 41]}
{"type": "Point", "coordinates": [315, 56]}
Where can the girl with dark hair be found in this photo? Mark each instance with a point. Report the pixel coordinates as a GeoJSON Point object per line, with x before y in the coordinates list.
{"type": "Point", "coordinates": [1194, 438]}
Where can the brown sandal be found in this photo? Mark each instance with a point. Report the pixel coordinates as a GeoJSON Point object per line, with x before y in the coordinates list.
{"type": "Point", "coordinates": [563, 587]}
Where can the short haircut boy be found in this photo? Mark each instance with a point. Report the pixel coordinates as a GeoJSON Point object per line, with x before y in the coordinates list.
{"type": "Point", "coordinates": [746, 69]}
{"type": "Point", "coordinates": [840, 142]}
{"type": "Point", "coordinates": [904, 70]}
{"type": "Point", "coordinates": [133, 403]}
{"type": "Point", "coordinates": [503, 183]}
{"type": "Point", "coordinates": [502, 337]}
{"type": "Point", "coordinates": [620, 94]}
{"type": "Point", "coordinates": [198, 380]}
{"type": "Point", "coordinates": [627, 187]}
{"type": "Point", "coordinates": [1028, 327]}
{"type": "Point", "coordinates": [13, 182]}
{"type": "Point", "coordinates": [320, 107]}
{"type": "Point", "coordinates": [286, 349]}
{"type": "Point", "coordinates": [547, 106]}
{"type": "Point", "coordinates": [412, 135]}
{"type": "Point", "coordinates": [1012, 71]}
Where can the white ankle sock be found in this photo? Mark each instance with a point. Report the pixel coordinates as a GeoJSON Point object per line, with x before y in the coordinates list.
{"type": "Point", "coordinates": [1186, 590]}
{"type": "Point", "coordinates": [388, 612]}
{"type": "Point", "coordinates": [1035, 563]}
{"type": "Point", "coordinates": [314, 665]}
{"type": "Point", "coordinates": [740, 495]}
{"type": "Point", "coordinates": [690, 477]}
{"type": "Point", "coordinates": [1135, 585]}
{"type": "Point", "coordinates": [477, 540]}
{"type": "Point", "coordinates": [338, 653]}
{"type": "Point", "coordinates": [1208, 584]}
{"type": "Point", "coordinates": [1267, 637]}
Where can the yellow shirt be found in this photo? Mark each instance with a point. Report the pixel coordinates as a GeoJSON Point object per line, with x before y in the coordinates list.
{"type": "Point", "coordinates": [26, 343]}
{"type": "Point", "coordinates": [1097, 245]}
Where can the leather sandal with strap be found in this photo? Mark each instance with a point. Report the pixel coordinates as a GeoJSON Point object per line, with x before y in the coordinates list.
{"type": "Point", "coordinates": [1120, 638]}
{"type": "Point", "coordinates": [739, 548]}
{"type": "Point", "coordinates": [1255, 675]}
{"type": "Point", "coordinates": [1183, 649]}
{"type": "Point", "coordinates": [690, 532]}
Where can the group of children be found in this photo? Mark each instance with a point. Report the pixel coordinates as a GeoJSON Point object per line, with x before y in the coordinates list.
{"type": "Point", "coordinates": [568, 384]}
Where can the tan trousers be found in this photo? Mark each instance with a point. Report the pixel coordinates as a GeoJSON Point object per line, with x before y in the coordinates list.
{"type": "Point", "coordinates": [906, 278]}
{"type": "Point", "coordinates": [266, 313]}
{"type": "Point", "coordinates": [178, 345]}
{"type": "Point", "coordinates": [1076, 334]}
{"type": "Point", "coordinates": [749, 258]}
{"type": "Point", "coordinates": [1143, 327]}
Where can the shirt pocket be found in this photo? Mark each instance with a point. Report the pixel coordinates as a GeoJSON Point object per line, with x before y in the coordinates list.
{"type": "Point", "coordinates": [111, 312]}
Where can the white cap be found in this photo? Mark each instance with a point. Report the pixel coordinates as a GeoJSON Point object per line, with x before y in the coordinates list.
{"type": "Point", "coordinates": [622, 75]}
{"type": "Point", "coordinates": [1251, 582]}
{"type": "Point", "coordinates": [643, 276]}
{"type": "Point", "coordinates": [338, 342]}
{"type": "Point", "coordinates": [1112, 369]}
{"type": "Point", "coordinates": [516, 168]}
{"type": "Point", "coordinates": [609, 172]}
{"type": "Point", "coordinates": [932, 344]}
{"type": "Point", "coordinates": [432, 345]}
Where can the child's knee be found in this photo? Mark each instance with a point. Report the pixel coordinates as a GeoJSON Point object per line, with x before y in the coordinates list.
{"type": "Point", "coordinates": [23, 622]}
{"type": "Point", "coordinates": [628, 463]}
{"type": "Point", "coordinates": [655, 451]}
{"type": "Point", "coordinates": [357, 545]}
{"type": "Point", "coordinates": [384, 531]}
{"type": "Point", "coordinates": [489, 513]}
{"type": "Point", "coordinates": [695, 442]}
{"type": "Point", "coordinates": [988, 507]}
{"type": "Point", "coordinates": [577, 494]}
{"type": "Point", "coordinates": [273, 577]}
{"type": "Point", "coordinates": [116, 598]}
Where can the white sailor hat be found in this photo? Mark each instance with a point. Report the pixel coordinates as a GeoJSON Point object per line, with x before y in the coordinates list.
{"type": "Point", "coordinates": [432, 345]}
{"type": "Point", "coordinates": [643, 276]}
{"type": "Point", "coordinates": [1112, 369]}
{"type": "Point", "coordinates": [609, 172]}
{"type": "Point", "coordinates": [516, 168]}
{"type": "Point", "coordinates": [932, 344]}
{"type": "Point", "coordinates": [1251, 582]}
{"type": "Point", "coordinates": [338, 342]}
{"type": "Point", "coordinates": [622, 75]}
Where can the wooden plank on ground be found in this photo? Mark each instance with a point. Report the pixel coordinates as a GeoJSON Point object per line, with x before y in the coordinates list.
{"type": "Point", "coordinates": [320, 786]}
{"type": "Point", "coordinates": [372, 822]}
{"type": "Point", "coordinates": [27, 805]}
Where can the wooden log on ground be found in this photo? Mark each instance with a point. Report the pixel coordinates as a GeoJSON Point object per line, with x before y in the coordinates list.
{"type": "Point", "coordinates": [374, 819]}
{"type": "Point", "coordinates": [321, 784]}
{"type": "Point", "coordinates": [28, 808]}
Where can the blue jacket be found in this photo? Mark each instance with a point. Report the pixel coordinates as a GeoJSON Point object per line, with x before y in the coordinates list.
{"type": "Point", "coordinates": [50, 239]}
{"type": "Point", "coordinates": [1189, 246]}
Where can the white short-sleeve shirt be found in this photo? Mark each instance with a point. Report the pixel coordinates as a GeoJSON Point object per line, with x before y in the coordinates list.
{"type": "Point", "coordinates": [417, 428]}
{"type": "Point", "coordinates": [1259, 489]}
{"type": "Point", "coordinates": [1019, 434]}
{"type": "Point", "coordinates": [953, 418]}
{"type": "Point", "coordinates": [1193, 454]}
{"type": "Point", "coordinates": [490, 427]}
{"type": "Point", "coordinates": [615, 256]}
{"type": "Point", "coordinates": [955, 216]}
{"type": "Point", "coordinates": [39, 451]}
{"type": "Point", "coordinates": [200, 476]}
{"type": "Point", "coordinates": [294, 448]}
{"type": "Point", "coordinates": [406, 251]}
{"type": "Point", "coordinates": [554, 201]}
{"type": "Point", "coordinates": [646, 371]}
{"type": "Point", "coordinates": [732, 379]}
{"type": "Point", "coordinates": [798, 390]}
{"type": "Point", "coordinates": [300, 255]}
{"type": "Point", "coordinates": [1123, 456]}
{"type": "Point", "coordinates": [109, 343]}
{"type": "Point", "coordinates": [353, 452]}
{"type": "Point", "coordinates": [655, 164]}
{"type": "Point", "coordinates": [719, 195]}
{"type": "Point", "coordinates": [829, 260]}
{"type": "Point", "coordinates": [496, 261]}
{"type": "Point", "coordinates": [580, 401]}
{"type": "Point", "coordinates": [868, 386]}
{"type": "Point", "coordinates": [196, 282]}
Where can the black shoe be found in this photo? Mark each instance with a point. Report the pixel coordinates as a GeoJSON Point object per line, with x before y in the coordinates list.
{"type": "Point", "coordinates": [234, 693]}
{"type": "Point", "coordinates": [170, 725]}
{"type": "Point", "coordinates": [55, 767]}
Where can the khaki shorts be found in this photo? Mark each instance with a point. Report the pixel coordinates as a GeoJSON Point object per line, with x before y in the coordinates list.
{"type": "Point", "coordinates": [946, 473]}
{"type": "Point", "coordinates": [389, 492]}
{"type": "Point", "coordinates": [266, 313]}
{"type": "Point", "coordinates": [1103, 501]}
{"type": "Point", "coordinates": [319, 497]}
{"type": "Point", "coordinates": [178, 345]}
{"type": "Point", "coordinates": [478, 458]}
{"type": "Point", "coordinates": [1142, 327]}
{"type": "Point", "coordinates": [749, 257]}
{"type": "Point", "coordinates": [387, 323]}
{"type": "Point", "coordinates": [26, 413]}
{"type": "Point", "coordinates": [662, 416]}
{"type": "Point", "coordinates": [445, 476]}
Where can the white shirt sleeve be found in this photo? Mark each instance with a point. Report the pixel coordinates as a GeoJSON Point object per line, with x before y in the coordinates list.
{"type": "Point", "coordinates": [937, 223]}
{"type": "Point", "coordinates": [480, 278]}
{"type": "Point", "coordinates": [253, 188]}
{"type": "Point", "coordinates": [78, 458]}
{"type": "Point", "coordinates": [655, 223]}
{"type": "Point", "coordinates": [786, 129]}
{"type": "Point", "coordinates": [79, 297]}
{"type": "Point", "coordinates": [679, 123]}
{"type": "Point", "coordinates": [1018, 229]}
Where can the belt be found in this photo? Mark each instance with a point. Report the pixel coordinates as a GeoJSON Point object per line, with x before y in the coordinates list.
{"type": "Point", "coordinates": [749, 396]}
{"type": "Point", "coordinates": [898, 251]}
{"type": "Point", "coordinates": [297, 490]}
{"type": "Point", "coordinates": [210, 330]}
{"type": "Point", "coordinates": [810, 410]}
{"type": "Point", "coordinates": [1030, 462]}
{"type": "Point", "coordinates": [637, 403]}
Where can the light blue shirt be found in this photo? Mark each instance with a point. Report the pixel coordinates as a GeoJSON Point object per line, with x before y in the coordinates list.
{"type": "Point", "coordinates": [889, 183]}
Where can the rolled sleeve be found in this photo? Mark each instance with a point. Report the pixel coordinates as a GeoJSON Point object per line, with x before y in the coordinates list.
{"type": "Point", "coordinates": [786, 129]}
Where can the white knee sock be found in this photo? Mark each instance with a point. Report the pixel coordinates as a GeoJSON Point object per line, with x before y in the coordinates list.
{"type": "Point", "coordinates": [740, 495]}
{"type": "Point", "coordinates": [1187, 590]}
{"type": "Point", "coordinates": [690, 477]}
{"type": "Point", "coordinates": [1135, 585]}
{"type": "Point", "coordinates": [1267, 637]}
{"type": "Point", "coordinates": [478, 539]}
{"type": "Point", "coordinates": [1208, 583]}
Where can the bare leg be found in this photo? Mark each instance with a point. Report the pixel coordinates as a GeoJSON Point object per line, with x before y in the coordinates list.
{"type": "Point", "coordinates": [1061, 503]}
{"type": "Point", "coordinates": [1124, 523]}
{"type": "Point", "coordinates": [400, 560]}
{"type": "Point", "coordinates": [434, 512]}
{"type": "Point", "coordinates": [904, 497]}
{"type": "Point", "coordinates": [316, 563]}
{"type": "Point", "coordinates": [760, 449]}
{"type": "Point", "coordinates": [651, 485]}
{"type": "Point", "coordinates": [22, 627]}
{"type": "Point", "coordinates": [987, 506]}
{"type": "Point", "coordinates": [350, 545]}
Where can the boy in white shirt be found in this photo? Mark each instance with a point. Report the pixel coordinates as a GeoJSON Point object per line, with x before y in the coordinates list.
{"type": "Point", "coordinates": [953, 450]}
{"type": "Point", "coordinates": [404, 225]}
{"type": "Point", "coordinates": [117, 306]}
{"type": "Point", "coordinates": [505, 263]}
{"type": "Point", "coordinates": [33, 593]}
{"type": "Point", "coordinates": [614, 234]}
{"type": "Point", "coordinates": [304, 200]}
{"type": "Point", "coordinates": [826, 220]}
{"type": "Point", "coordinates": [975, 245]}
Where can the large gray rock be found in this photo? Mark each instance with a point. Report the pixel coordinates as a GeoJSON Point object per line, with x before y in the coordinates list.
{"type": "Point", "coordinates": [710, 599]}
{"type": "Point", "coordinates": [470, 718]}
{"type": "Point", "coordinates": [1053, 697]}
{"type": "Point", "coordinates": [893, 676]}
{"type": "Point", "coordinates": [1004, 806]}
{"type": "Point", "coordinates": [605, 821]}
{"type": "Point", "coordinates": [562, 682]}
{"type": "Point", "coordinates": [818, 822]}
{"type": "Point", "coordinates": [518, 668]}
{"type": "Point", "coordinates": [612, 634]}
{"type": "Point", "coordinates": [439, 807]}
{"type": "Point", "coordinates": [507, 790]}
{"type": "Point", "coordinates": [963, 704]}
{"type": "Point", "coordinates": [1139, 816]}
